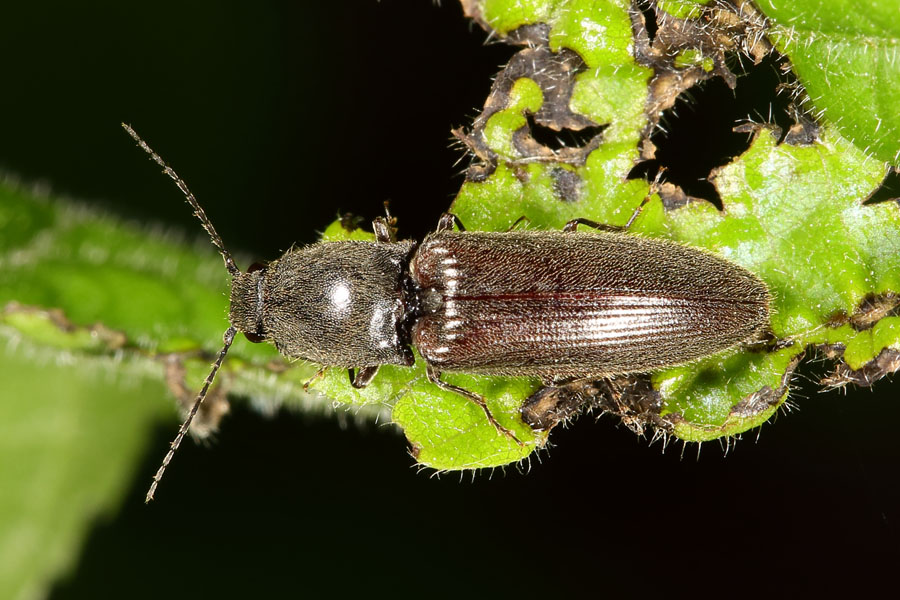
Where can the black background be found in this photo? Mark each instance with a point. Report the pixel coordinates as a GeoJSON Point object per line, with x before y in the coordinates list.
{"type": "Point", "coordinates": [281, 115]}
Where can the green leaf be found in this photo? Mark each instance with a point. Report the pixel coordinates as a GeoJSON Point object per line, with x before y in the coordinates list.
{"type": "Point", "coordinates": [72, 429]}
{"type": "Point", "coordinates": [846, 54]}
{"type": "Point", "coordinates": [794, 215]}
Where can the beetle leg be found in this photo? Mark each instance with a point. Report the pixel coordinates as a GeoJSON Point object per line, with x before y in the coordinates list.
{"type": "Point", "coordinates": [310, 381]}
{"type": "Point", "coordinates": [446, 222]}
{"type": "Point", "coordinates": [363, 376]}
{"type": "Point", "coordinates": [574, 223]}
{"type": "Point", "coordinates": [383, 231]}
{"type": "Point", "coordinates": [572, 226]}
{"type": "Point", "coordinates": [434, 376]}
{"type": "Point", "coordinates": [640, 207]}
{"type": "Point", "coordinates": [385, 227]}
{"type": "Point", "coordinates": [522, 219]}
{"type": "Point", "coordinates": [391, 219]}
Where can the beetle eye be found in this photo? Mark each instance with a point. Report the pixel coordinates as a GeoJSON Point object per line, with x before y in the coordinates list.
{"type": "Point", "coordinates": [254, 337]}
{"type": "Point", "coordinates": [257, 266]}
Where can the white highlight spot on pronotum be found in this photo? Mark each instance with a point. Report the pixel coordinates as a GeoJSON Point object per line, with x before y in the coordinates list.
{"type": "Point", "coordinates": [340, 296]}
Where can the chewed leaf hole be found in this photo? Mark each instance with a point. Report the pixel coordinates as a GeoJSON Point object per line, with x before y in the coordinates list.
{"type": "Point", "coordinates": [888, 190]}
{"type": "Point", "coordinates": [697, 134]}
{"type": "Point", "coordinates": [648, 10]}
{"type": "Point", "coordinates": [564, 138]}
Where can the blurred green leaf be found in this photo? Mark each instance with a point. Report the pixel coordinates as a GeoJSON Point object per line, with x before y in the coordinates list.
{"type": "Point", "coordinates": [72, 430]}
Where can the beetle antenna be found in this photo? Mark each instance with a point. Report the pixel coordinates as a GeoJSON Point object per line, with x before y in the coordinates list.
{"type": "Point", "coordinates": [228, 339]}
{"type": "Point", "coordinates": [198, 210]}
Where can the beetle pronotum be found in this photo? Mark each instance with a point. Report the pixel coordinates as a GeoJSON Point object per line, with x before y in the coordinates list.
{"type": "Point", "coordinates": [554, 304]}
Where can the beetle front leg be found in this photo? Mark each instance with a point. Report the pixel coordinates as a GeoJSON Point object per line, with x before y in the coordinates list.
{"type": "Point", "coordinates": [319, 374]}
{"type": "Point", "coordinates": [384, 233]}
{"type": "Point", "coordinates": [434, 376]}
{"type": "Point", "coordinates": [385, 228]}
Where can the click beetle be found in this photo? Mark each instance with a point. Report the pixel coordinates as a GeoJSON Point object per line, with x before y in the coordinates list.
{"type": "Point", "coordinates": [555, 304]}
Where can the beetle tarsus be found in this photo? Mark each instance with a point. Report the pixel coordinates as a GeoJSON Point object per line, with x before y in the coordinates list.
{"type": "Point", "coordinates": [319, 374]}
{"type": "Point", "coordinates": [639, 209]}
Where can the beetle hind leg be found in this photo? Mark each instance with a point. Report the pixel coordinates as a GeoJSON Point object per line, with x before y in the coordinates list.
{"type": "Point", "coordinates": [434, 376]}
{"type": "Point", "coordinates": [572, 225]}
